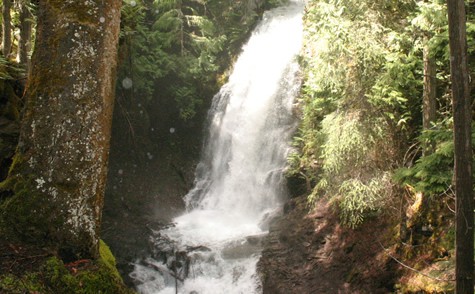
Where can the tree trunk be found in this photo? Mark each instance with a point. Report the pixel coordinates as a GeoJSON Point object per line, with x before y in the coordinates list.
{"type": "Point", "coordinates": [6, 28]}
{"type": "Point", "coordinates": [463, 150]}
{"type": "Point", "coordinates": [24, 45]}
{"type": "Point", "coordinates": [59, 172]}
{"type": "Point", "coordinates": [429, 105]}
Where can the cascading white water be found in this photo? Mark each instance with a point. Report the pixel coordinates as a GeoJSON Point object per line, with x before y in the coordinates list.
{"type": "Point", "coordinates": [214, 247]}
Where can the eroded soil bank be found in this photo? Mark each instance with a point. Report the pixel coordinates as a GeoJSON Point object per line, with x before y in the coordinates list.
{"type": "Point", "coordinates": [310, 252]}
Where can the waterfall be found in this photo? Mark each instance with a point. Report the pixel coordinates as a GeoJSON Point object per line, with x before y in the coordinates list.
{"type": "Point", "coordinates": [215, 246]}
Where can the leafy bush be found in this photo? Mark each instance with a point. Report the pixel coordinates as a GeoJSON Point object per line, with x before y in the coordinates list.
{"type": "Point", "coordinates": [354, 165]}
{"type": "Point", "coordinates": [361, 78]}
{"type": "Point", "coordinates": [358, 199]}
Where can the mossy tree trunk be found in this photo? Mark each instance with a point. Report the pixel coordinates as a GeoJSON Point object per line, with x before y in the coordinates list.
{"type": "Point", "coordinates": [6, 28]}
{"type": "Point", "coordinates": [58, 175]}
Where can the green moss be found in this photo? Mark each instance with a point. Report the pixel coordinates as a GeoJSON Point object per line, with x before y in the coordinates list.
{"type": "Point", "coordinates": [13, 285]}
{"type": "Point", "coordinates": [58, 278]}
{"type": "Point", "coordinates": [442, 275]}
{"type": "Point", "coordinates": [17, 210]}
{"type": "Point", "coordinates": [81, 11]}
{"type": "Point", "coordinates": [53, 276]}
{"type": "Point", "coordinates": [106, 278]}
{"type": "Point", "coordinates": [107, 259]}
{"type": "Point", "coordinates": [17, 162]}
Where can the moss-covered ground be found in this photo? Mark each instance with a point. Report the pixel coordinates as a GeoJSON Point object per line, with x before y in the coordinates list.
{"type": "Point", "coordinates": [27, 269]}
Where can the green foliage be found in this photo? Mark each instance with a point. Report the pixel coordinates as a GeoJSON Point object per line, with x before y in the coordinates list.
{"type": "Point", "coordinates": [358, 199]}
{"type": "Point", "coordinates": [430, 16]}
{"type": "Point", "coordinates": [432, 174]}
{"type": "Point", "coordinates": [361, 75]}
{"type": "Point", "coordinates": [351, 103]}
{"type": "Point", "coordinates": [175, 49]}
{"type": "Point", "coordinates": [186, 102]}
{"type": "Point", "coordinates": [394, 89]}
{"type": "Point", "coordinates": [351, 141]}
{"type": "Point", "coordinates": [9, 70]}
{"type": "Point", "coordinates": [173, 57]}
{"type": "Point", "coordinates": [346, 141]}
{"type": "Point", "coordinates": [362, 99]}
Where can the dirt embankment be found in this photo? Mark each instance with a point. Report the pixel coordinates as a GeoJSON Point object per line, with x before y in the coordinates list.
{"type": "Point", "coordinates": [309, 252]}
